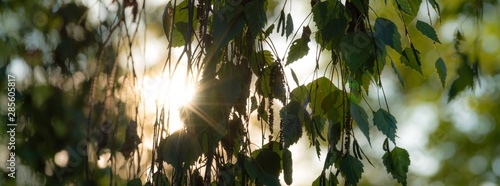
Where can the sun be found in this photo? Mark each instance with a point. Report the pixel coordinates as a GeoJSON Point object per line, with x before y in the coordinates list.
{"type": "Point", "coordinates": [156, 93]}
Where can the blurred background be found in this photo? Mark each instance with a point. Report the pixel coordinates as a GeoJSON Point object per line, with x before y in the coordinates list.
{"type": "Point", "coordinates": [52, 47]}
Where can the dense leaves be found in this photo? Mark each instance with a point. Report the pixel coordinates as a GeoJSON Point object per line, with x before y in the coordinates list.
{"type": "Point", "coordinates": [256, 16]}
{"type": "Point", "coordinates": [226, 45]}
{"type": "Point", "coordinates": [357, 50]}
{"type": "Point", "coordinates": [330, 18]}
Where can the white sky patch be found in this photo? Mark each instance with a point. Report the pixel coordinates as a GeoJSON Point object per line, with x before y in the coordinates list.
{"type": "Point", "coordinates": [460, 114]}
{"type": "Point", "coordinates": [490, 43]}
{"type": "Point", "coordinates": [19, 69]}
{"type": "Point", "coordinates": [477, 164]}
{"type": "Point", "coordinates": [61, 158]}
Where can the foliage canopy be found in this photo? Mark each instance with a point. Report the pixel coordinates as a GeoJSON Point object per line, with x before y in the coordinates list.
{"type": "Point", "coordinates": [237, 70]}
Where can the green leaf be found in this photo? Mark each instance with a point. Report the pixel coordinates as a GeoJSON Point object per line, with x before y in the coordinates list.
{"type": "Point", "coordinates": [301, 95]}
{"type": "Point", "coordinates": [269, 161]}
{"type": "Point", "coordinates": [357, 50]}
{"type": "Point", "coordinates": [387, 32]}
{"type": "Point", "coordinates": [427, 30]}
{"type": "Point", "coordinates": [386, 123]}
{"type": "Point", "coordinates": [289, 25]}
{"type": "Point", "coordinates": [409, 7]}
{"type": "Point", "coordinates": [269, 30]}
{"type": "Point", "coordinates": [334, 133]}
{"type": "Point", "coordinates": [260, 60]}
{"type": "Point", "coordinates": [411, 58]}
{"type": "Point", "coordinates": [351, 168]}
{"type": "Point", "coordinates": [230, 79]}
{"type": "Point", "coordinates": [178, 144]}
{"type": "Point", "coordinates": [397, 163]}
{"type": "Point", "coordinates": [435, 5]}
{"type": "Point", "coordinates": [224, 30]}
{"type": "Point", "coordinates": [254, 104]}
{"type": "Point", "coordinates": [414, 6]}
{"type": "Point", "coordinates": [332, 106]}
{"type": "Point", "coordinates": [361, 118]}
{"type": "Point", "coordinates": [320, 181]}
{"type": "Point", "coordinates": [271, 84]}
{"type": "Point", "coordinates": [256, 16]}
{"type": "Point", "coordinates": [251, 168]}
{"type": "Point", "coordinates": [287, 166]}
{"type": "Point", "coordinates": [330, 19]}
{"type": "Point", "coordinates": [320, 89]}
{"type": "Point", "coordinates": [292, 127]}
{"type": "Point", "coordinates": [397, 74]}
{"type": "Point", "coordinates": [160, 179]}
{"type": "Point", "coordinates": [441, 70]}
{"type": "Point", "coordinates": [333, 181]}
{"type": "Point", "coordinates": [464, 80]}
{"type": "Point", "coordinates": [298, 50]}
{"type": "Point", "coordinates": [268, 179]}
{"type": "Point", "coordinates": [294, 76]}
{"type": "Point", "coordinates": [135, 182]}
{"type": "Point", "coordinates": [280, 22]}
{"type": "Point", "coordinates": [167, 19]}
{"type": "Point", "coordinates": [181, 24]}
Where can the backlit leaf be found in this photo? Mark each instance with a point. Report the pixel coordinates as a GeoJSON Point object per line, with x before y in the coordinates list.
{"type": "Point", "coordinates": [441, 70]}
{"type": "Point", "coordinates": [386, 123]}
{"type": "Point", "coordinates": [427, 30]}
{"type": "Point", "coordinates": [411, 58]}
{"type": "Point", "coordinates": [181, 24]}
{"type": "Point", "coordinates": [269, 30]}
{"type": "Point", "coordinates": [298, 50]}
{"type": "Point", "coordinates": [332, 106]}
{"type": "Point", "coordinates": [320, 89]}
{"type": "Point", "coordinates": [301, 95]}
{"type": "Point", "coordinates": [397, 163]}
